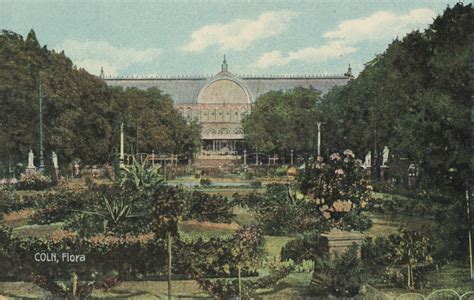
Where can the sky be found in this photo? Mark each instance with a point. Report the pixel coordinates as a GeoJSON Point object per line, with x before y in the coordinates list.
{"type": "Point", "coordinates": [177, 38]}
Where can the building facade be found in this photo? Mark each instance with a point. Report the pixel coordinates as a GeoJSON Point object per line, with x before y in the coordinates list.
{"type": "Point", "coordinates": [218, 103]}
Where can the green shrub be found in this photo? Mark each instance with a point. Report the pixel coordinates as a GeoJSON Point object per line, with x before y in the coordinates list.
{"type": "Point", "coordinates": [8, 259]}
{"type": "Point", "coordinates": [278, 213]}
{"type": "Point", "coordinates": [93, 211]}
{"type": "Point", "coordinates": [206, 182]}
{"type": "Point", "coordinates": [108, 209]}
{"type": "Point", "coordinates": [248, 175]}
{"type": "Point", "coordinates": [36, 181]}
{"type": "Point", "coordinates": [341, 275]}
{"type": "Point", "coordinates": [256, 184]}
{"type": "Point", "coordinates": [146, 256]}
{"type": "Point", "coordinates": [204, 207]}
{"type": "Point", "coordinates": [281, 170]}
{"type": "Point", "coordinates": [59, 205]}
{"type": "Point", "coordinates": [288, 218]}
{"type": "Point", "coordinates": [10, 201]}
{"type": "Point", "coordinates": [301, 249]}
{"type": "Point", "coordinates": [229, 289]}
{"type": "Point", "coordinates": [387, 258]}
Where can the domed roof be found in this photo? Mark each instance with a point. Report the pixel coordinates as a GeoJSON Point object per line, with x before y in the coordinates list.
{"type": "Point", "coordinates": [223, 91]}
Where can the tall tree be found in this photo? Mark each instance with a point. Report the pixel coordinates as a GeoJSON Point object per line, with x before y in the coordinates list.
{"type": "Point", "coordinates": [81, 113]}
{"type": "Point", "coordinates": [414, 98]}
{"type": "Point", "coordinates": [283, 121]}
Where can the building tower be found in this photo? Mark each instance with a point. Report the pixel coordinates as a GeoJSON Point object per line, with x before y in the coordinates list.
{"type": "Point", "coordinates": [224, 68]}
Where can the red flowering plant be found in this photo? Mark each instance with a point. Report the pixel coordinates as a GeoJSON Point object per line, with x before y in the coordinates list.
{"type": "Point", "coordinates": [338, 190]}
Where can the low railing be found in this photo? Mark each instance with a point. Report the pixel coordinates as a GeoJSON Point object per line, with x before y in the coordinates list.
{"type": "Point", "coordinates": [436, 295]}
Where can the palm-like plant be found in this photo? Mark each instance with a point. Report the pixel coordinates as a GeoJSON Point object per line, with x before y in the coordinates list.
{"type": "Point", "coordinates": [139, 177]}
{"type": "Point", "coordinates": [116, 212]}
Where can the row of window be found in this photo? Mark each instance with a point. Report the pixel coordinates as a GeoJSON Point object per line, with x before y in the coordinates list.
{"type": "Point", "coordinates": [218, 115]}
{"type": "Point", "coordinates": [213, 131]}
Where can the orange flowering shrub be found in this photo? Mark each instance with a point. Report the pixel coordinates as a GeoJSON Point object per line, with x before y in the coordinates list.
{"type": "Point", "coordinates": [338, 190]}
{"type": "Point", "coordinates": [60, 235]}
{"type": "Point", "coordinates": [102, 239]}
{"type": "Point", "coordinates": [18, 215]}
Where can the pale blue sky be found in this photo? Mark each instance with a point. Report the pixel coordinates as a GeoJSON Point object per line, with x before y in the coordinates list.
{"type": "Point", "coordinates": [190, 37]}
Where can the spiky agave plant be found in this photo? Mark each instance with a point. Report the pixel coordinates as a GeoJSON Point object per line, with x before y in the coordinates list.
{"type": "Point", "coordinates": [116, 212]}
{"type": "Point", "coordinates": [139, 177]}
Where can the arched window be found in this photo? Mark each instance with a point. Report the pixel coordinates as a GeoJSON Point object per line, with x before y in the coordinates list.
{"type": "Point", "coordinates": [211, 131]}
{"type": "Point", "coordinates": [224, 131]}
{"type": "Point", "coordinates": [238, 131]}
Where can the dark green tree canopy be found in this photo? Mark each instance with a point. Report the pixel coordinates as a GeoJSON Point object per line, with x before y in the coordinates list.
{"type": "Point", "coordinates": [282, 121]}
{"type": "Point", "coordinates": [81, 113]}
{"type": "Point", "coordinates": [414, 98]}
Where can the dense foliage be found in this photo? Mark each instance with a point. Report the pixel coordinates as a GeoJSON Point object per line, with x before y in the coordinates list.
{"type": "Point", "coordinates": [229, 289]}
{"type": "Point", "coordinates": [301, 249]}
{"type": "Point", "coordinates": [246, 247]}
{"type": "Point", "coordinates": [338, 190]}
{"type": "Point", "coordinates": [36, 182]}
{"type": "Point", "coordinates": [109, 210]}
{"type": "Point", "coordinates": [138, 177]}
{"type": "Point", "coordinates": [81, 114]}
{"type": "Point", "coordinates": [447, 233]}
{"type": "Point", "coordinates": [205, 207]}
{"type": "Point", "coordinates": [341, 275]}
{"type": "Point", "coordinates": [278, 212]}
{"type": "Point", "coordinates": [168, 203]}
{"type": "Point", "coordinates": [294, 111]}
{"type": "Point", "coordinates": [400, 259]}
{"type": "Point", "coordinates": [415, 98]}
{"type": "Point", "coordinates": [146, 258]}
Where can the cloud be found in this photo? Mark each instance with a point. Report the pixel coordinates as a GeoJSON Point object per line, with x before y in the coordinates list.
{"type": "Point", "coordinates": [240, 33]}
{"type": "Point", "coordinates": [92, 55]}
{"type": "Point", "coordinates": [378, 27]}
{"type": "Point", "coordinates": [309, 54]}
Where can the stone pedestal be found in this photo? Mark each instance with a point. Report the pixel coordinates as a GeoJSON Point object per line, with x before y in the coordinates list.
{"type": "Point", "coordinates": [368, 173]}
{"type": "Point", "coordinates": [30, 171]}
{"type": "Point", "coordinates": [384, 173]}
{"type": "Point", "coordinates": [338, 242]}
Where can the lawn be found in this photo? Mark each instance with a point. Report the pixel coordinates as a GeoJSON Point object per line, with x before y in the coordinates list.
{"type": "Point", "coordinates": [384, 225]}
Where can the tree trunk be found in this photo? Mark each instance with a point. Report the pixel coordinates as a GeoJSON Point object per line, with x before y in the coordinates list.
{"type": "Point", "coordinates": [408, 276]}
{"type": "Point", "coordinates": [240, 281]}
{"type": "Point", "coordinates": [74, 285]}
{"type": "Point", "coordinates": [169, 264]}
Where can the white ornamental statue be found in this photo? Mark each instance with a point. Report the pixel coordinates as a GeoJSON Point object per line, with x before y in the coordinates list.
{"type": "Point", "coordinates": [31, 164]}
{"type": "Point", "coordinates": [386, 152]}
{"type": "Point", "coordinates": [368, 160]}
{"type": "Point", "coordinates": [55, 160]}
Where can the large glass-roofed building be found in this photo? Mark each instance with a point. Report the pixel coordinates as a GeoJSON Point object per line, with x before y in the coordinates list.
{"type": "Point", "coordinates": [218, 103]}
